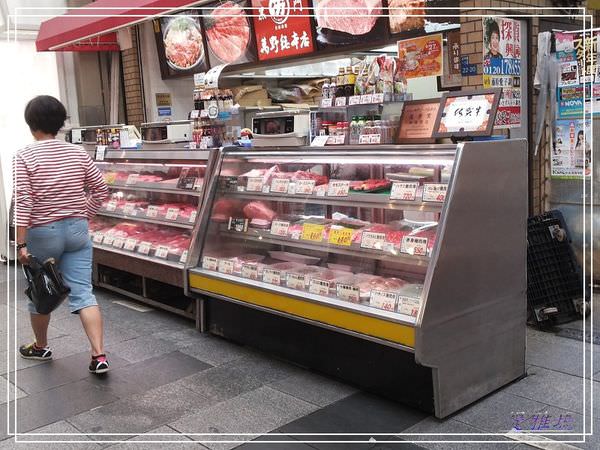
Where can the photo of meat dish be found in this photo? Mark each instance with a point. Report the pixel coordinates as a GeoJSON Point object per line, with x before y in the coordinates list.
{"type": "Point", "coordinates": [227, 32]}
{"type": "Point", "coordinates": [356, 17]}
{"type": "Point", "coordinates": [400, 12]}
{"type": "Point", "coordinates": [184, 48]}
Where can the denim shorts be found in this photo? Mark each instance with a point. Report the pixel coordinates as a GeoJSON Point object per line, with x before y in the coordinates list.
{"type": "Point", "coordinates": [69, 243]}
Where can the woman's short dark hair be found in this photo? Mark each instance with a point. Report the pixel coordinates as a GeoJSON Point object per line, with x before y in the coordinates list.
{"type": "Point", "coordinates": [492, 27]}
{"type": "Point", "coordinates": [45, 113]}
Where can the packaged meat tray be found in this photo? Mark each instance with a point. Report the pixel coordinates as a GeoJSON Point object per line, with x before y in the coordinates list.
{"type": "Point", "coordinates": [250, 258]}
{"type": "Point", "coordinates": [323, 282]}
{"type": "Point", "coordinates": [355, 288]}
{"type": "Point", "coordinates": [299, 278]}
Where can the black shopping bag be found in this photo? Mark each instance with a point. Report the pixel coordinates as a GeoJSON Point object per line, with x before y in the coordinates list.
{"type": "Point", "coordinates": [47, 289]}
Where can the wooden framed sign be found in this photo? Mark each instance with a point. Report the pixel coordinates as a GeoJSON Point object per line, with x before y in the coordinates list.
{"type": "Point", "coordinates": [467, 113]}
{"type": "Point", "coordinates": [417, 121]}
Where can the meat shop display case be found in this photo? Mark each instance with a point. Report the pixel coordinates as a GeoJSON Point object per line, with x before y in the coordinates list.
{"type": "Point", "coordinates": [142, 232]}
{"type": "Point", "coordinates": [398, 268]}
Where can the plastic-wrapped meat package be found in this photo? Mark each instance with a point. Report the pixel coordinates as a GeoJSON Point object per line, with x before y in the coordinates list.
{"type": "Point", "coordinates": [299, 278]}
{"type": "Point", "coordinates": [371, 185]}
{"type": "Point", "coordinates": [355, 232]}
{"type": "Point", "coordinates": [302, 175]}
{"type": "Point", "coordinates": [249, 258]}
{"type": "Point", "coordinates": [259, 210]}
{"type": "Point", "coordinates": [329, 276]}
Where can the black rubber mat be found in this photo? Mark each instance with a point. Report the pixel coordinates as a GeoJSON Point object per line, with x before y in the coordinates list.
{"type": "Point", "coordinates": [573, 333]}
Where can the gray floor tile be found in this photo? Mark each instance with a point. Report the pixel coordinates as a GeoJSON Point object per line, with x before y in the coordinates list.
{"type": "Point", "coordinates": [214, 350]}
{"type": "Point", "coordinates": [314, 388]}
{"type": "Point", "coordinates": [142, 348]}
{"type": "Point", "coordinates": [158, 438]}
{"type": "Point", "coordinates": [4, 396]}
{"type": "Point", "coordinates": [264, 368]}
{"type": "Point", "coordinates": [83, 442]}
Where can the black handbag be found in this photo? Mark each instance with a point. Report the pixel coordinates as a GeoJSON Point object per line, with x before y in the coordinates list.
{"type": "Point", "coordinates": [46, 288]}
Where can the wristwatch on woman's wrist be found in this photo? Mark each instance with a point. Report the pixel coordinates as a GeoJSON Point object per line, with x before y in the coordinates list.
{"type": "Point", "coordinates": [22, 245]}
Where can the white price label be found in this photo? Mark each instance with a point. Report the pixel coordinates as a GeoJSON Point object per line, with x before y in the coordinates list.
{"type": "Point", "coordinates": [118, 242]}
{"type": "Point", "coordinates": [372, 240]}
{"type": "Point", "coordinates": [409, 306]}
{"type": "Point", "coordinates": [296, 281]}
{"type": "Point", "coordinates": [210, 263]}
{"type": "Point", "coordinates": [111, 206]}
{"type": "Point", "coordinates": [364, 139]}
{"type": "Point", "coordinates": [108, 240]}
{"type": "Point", "coordinates": [354, 100]}
{"type": "Point", "coordinates": [266, 189]}
{"type": "Point", "coordinates": [319, 141]}
{"type": "Point", "coordinates": [198, 184]}
{"type": "Point", "coordinates": [152, 211]}
{"type": "Point", "coordinates": [326, 102]}
{"type": "Point", "coordinates": [250, 271]}
{"type": "Point", "coordinates": [254, 184]}
{"type": "Point", "coordinates": [374, 139]}
{"type": "Point", "coordinates": [144, 247]}
{"type": "Point", "coordinates": [130, 244]}
{"type": "Point", "coordinates": [383, 300]}
{"type": "Point", "coordinates": [366, 99]}
{"type": "Point", "coordinates": [98, 238]}
{"type": "Point", "coordinates": [129, 209]}
{"type": "Point", "coordinates": [340, 101]}
{"type": "Point", "coordinates": [100, 152]}
{"type": "Point", "coordinates": [280, 185]}
{"type": "Point", "coordinates": [272, 276]}
{"type": "Point", "coordinates": [193, 216]}
{"type": "Point", "coordinates": [195, 114]}
{"type": "Point", "coordinates": [319, 287]}
{"type": "Point", "coordinates": [192, 145]}
{"type": "Point", "coordinates": [434, 192]}
{"type": "Point", "coordinates": [132, 178]}
{"type": "Point", "coordinates": [225, 266]}
{"type": "Point", "coordinates": [389, 247]}
{"type": "Point", "coordinates": [279, 228]}
{"type": "Point", "coordinates": [406, 191]}
{"type": "Point", "coordinates": [162, 251]}
{"type": "Point", "coordinates": [305, 187]}
{"type": "Point", "coordinates": [338, 188]}
{"type": "Point", "coordinates": [292, 189]}
{"type": "Point", "coordinates": [348, 292]}
{"type": "Point", "coordinates": [321, 192]}
{"type": "Point", "coordinates": [414, 245]}
{"type": "Point", "coordinates": [172, 213]}
{"type": "Point", "coordinates": [184, 257]}
{"type": "Point", "coordinates": [377, 98]}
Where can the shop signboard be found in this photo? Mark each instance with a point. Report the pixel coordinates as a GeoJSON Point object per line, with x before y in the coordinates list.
{"type": "Point", "coordinates": [417, 121]}
{"type": "Point", "coordinates": [282, 28]}
{"type": "Point", "coordinates": [571, 153]}
{"type": "Point", "coordinates": [502, 67]}
{"type": "Point", "coordinates": [467, 69]}
{"type": "Point", "coordinates": [421, 57]}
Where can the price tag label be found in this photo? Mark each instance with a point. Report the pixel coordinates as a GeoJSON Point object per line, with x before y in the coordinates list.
{"type": "Point", "coordinates": [198, 184]}
{"type": "Point", "coordinates": [98, 238]}
{"type": "Point", "coordinates": [254, 184]}
{"type": "Point", "coordinates": [280, 185]}
{"type": "Point", "coordinates": [130, 244]}
{"type": "Point", "coordinates": [172, 213]}
{"type": "Point", "coordinates": [348, 292]}
{"type": "Point", "coordinates": [292, 189]}
{"type": "Point", "coordinates": [326, 102]}
{"type": "Point", "coordinates": [266, 189]}
{"type": "Point", "coordinates": [434, 192]}
{"type": "Point", "coordinates": [111, 206]}
{"type": "Point", "coordinates": [319, 141]}
{"type": "Point", "coordinates": [372, 240]}
{"type": "Point", "coordinates": [129, 209]}
{"type": "Point", "coordinates": [338, 188]}
{"type": "Point", "coordinates": [108, 239]}
{"type": "Point", "coordinates": [195, 114]}
{"type": "Point", "coordinates": [377, 98]}
{"type": "Point", "coordinates": [295, 281]}
{"type": "Point", "coordinates": [210, 263]}
{"type": "Point", "coordinates": [366, 99]}
{"type": "Point", "coordinates": [225, 266]}
{"type": "Point", "coordinates": [374, 139]}
{"type": "Point", "coordinates": [340, 236]}
{"type": "Point", "coordinates": [383, 300]}
{"type": "Point", "coordinates": [132, 178]}
{"type": "Point", "coordinates": [193, 216]}
{"type": "Point", "coordinates": [272, 276]}
{"type": "Point", "coordinates": [414, 245]}
{"type": "Point", "coordinates": [340, 101]}
{"type": "Point", "coordinates": [279, 228]}
{"type": "Point", "coordinates": [118, 242]}
{"type": "Point", "coordinates": [409, 306]}
{"type": "Point", "coordinates": [144, 247]}
{"type": "Point", "coordinates": [321, 192]}
{"type": "Point", "coordinates": [354, 100]}
{"type": "Point", "coordinates": [250, 271]}
{"type": "Point", "coordinates": [193, 145]}
{"type": "Point", "coordinates": [184, 257]}
{"type": "Point", "coordinates": [402, 190]}
{"type": "Point", "coordinates": [305, 187]}
{"type": "Point", "coordinates": [364, 139]}
{"type": "Point", "coordinates": [312, 232]}
{"type": "Point", "coordinates": [319, 287]}
{"type": "Point", "coordinates": [100, 152]}
{"type": "Point", "coordinates": [152, 211]}
{"type": "Point", "coordinates": [162, 251]}
{"type": "Point", "coordinates": [389, 247]}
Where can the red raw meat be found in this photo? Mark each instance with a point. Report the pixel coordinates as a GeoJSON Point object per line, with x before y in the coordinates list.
{"type": "Point", "coordinates": [354, 17]}
{"type": "Point", "coordinates": [370, 185]}
{"type": "Point", "coordinates": [228, 32]}
{"type": "Point", "coordinates": [259, 210]}
{"type": "Point", "coordinates": [302, 175]}
{"type": "Point", "coordinates": [225, 208]}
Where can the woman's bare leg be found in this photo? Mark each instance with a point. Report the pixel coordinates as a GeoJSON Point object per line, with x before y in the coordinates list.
{"type": "Point", "coordinates": [39, 323]}
{"type": "Point", "coordinates": [91, 318]}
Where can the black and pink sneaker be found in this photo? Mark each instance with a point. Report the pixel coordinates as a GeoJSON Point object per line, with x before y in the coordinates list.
{"type": "Point", "coordinates": [99, 364]}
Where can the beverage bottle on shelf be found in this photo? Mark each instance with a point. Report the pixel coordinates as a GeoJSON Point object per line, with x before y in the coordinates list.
{"type": "Point", "coordinates": [350, 80]}
{"type": "Point", "coordinates": [340, 91]}
{"type": "Point", "coordinates": [325, 89]}
{"type": "Point", "coordinates": [332, 88]}
{"type": "Point", "coordinates": [361, 127]}
{"type": "Point", "coordinates": [354, 131]}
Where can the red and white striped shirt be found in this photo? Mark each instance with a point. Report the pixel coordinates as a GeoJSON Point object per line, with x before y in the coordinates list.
{"type": "Point", "coordinates": [54, 180]}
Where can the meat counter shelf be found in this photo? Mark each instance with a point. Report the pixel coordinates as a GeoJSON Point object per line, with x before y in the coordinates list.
{"type": "Point", "coordinates": [139, 256]}
{"type": "Point", "coordinates": [158, 221]}
{"type": "Point", "coordinates": [154, 187]}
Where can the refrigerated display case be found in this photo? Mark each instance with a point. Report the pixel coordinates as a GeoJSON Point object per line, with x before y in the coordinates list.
{"type": "Point", "coordinates": [142, 232]}
{"type": "Point", "coordinates": [399, 268]}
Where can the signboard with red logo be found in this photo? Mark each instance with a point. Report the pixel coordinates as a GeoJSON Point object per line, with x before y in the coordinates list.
{"type": "Point", "coordinates": [282, 27]}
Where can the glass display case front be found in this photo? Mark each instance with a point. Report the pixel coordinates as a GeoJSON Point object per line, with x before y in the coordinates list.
{"type": "Point", "coordinates": [353, 230]}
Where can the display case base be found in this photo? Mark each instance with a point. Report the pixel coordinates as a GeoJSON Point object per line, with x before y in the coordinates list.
{"type": "Point", "coordinates": [381, 369]}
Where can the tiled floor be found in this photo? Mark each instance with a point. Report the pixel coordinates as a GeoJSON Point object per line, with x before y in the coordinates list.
{"type": "Point", "coordinates": [168, 379]}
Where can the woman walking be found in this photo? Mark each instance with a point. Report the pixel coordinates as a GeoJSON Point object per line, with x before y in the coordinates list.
{"type": "Point", "coordinates": [57, 188]}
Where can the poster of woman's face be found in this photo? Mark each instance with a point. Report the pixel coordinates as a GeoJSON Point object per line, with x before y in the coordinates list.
{"type": "Point", "coordinates": [491, 34]}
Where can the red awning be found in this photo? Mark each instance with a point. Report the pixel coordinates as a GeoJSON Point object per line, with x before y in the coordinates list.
{"type": "Point", "coordinates": [99, 18]}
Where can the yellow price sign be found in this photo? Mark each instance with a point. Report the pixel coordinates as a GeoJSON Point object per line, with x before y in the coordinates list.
{"type": "Point", "coordinates": [340, 236]}
{"type": "Point", "coordinates": [110, 177]}
{"type": "Point", "coordinates": [312, 232]}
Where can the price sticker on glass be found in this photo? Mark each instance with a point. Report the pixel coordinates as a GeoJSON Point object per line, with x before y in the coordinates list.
{"type": "Point", "coordinates": [130, 244]}
{"type": "Point", "coordinates": [98, 238]}
{"type": "Point", "coordinates": [305, 187]}
{"type": "Point", "coordinates": [272, 276]}
{"type": "Point", "coordinates": [319, 287]}
{"type": "Point", "coordinates": [338, 188]}
{"type": "Point", "coordinates": [108, 240]}
{"type": "Point", "coordinates": [172, 213]}
{"type": "Point", "coordinates": [144, 248]}
{"type": "Point", "coordinates": [254, 184]}
{"type": "Point", "coordinates": [280, 185]}
{"type": "Point", "coordinates": [312, 232]}
{"type": "Point", "coordinates": [152, 211]}
{"type": "Point", "coordinates": [118, 242]}
{"type": "Point", "coordinates": [406, 191]}
{"type": "Point", "coordinates": [383, 300]}
{"type": "Point", "coordinates": [414, 245]}
{"type": "Point", "coordinates": [193, 216]}
{"type": "Point", "coordinates": [162, 251]}
{"type": "Point", "coordinates": [326, 102]}
{"type": "Point", "coordinates": [210, 263]}
{"type": "Point", "coordinates": [129, 209]}
{"type": "Point", "coordinates": [340, 236]}
{"type": "Point", "coordinates": [132, 178]}
{"type": "Point", "coordinates": [250, 271]}
{"type": "Point", "coordinates": [225, 266]}
{"type": "Point", "coordinates": [409, 306]}
{"type": "Point", "coordinates": [279, 228]}
{"type": "Point", "coordinates": [111, 206]}
{"type": "Point", "coordinates": [340, 101]}
{"type": "Point", "coordinates": [354, 100]}
{"type": "Point", "coordinates": [372, 240]}
{"type": "Point", "coordinates": [184, 256]}
{"type": "Point", "coordinates": [348, 292]}
{"type": "Point", "coordinates": [434, 192]}
{"type": "Point", "coordinates": [295, 281]}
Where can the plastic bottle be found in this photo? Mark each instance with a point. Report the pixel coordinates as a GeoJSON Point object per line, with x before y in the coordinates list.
{"type": "Point", "coordinates": [339, 91]}
{"type": "Point", "coordinates": [350, 80]}
{"type": "Point", "coordinates": [354, 131]}
{"type": "Point", "coordinates": [325, 89]}
{"type": "Point", "coordinates": [361, 127]}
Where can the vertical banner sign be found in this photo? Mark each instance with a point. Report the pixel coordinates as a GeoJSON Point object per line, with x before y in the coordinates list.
{"type": "Point", "coordinates": [282, 28]}
{"type": "Point", "coordinates": [502, 67]}
{"type": "Point", "coordinates": [453, 44]}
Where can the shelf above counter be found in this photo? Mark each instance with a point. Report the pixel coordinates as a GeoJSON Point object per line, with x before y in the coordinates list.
{"type": "Point", "coordinates": [141, 257]}
{"type": "Point", "coordinates": [158, 220]}
{"type": "Point", "coordinates": [154, 187]}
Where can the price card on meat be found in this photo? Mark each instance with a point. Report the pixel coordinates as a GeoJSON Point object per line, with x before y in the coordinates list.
{"type": "Point", "coordinates": [348, 292]}
{"type": "Point", "coordinates": [254, 184]}
{"type": "Point", "coordinates": [162, 251]}
{"type": "Point", "coordinates": [172, 213]}
{"type": "Point", "coordinates": [305, 187]}
{"type": "Point", "coordinates": [279, 228]}
{"type": "Point", "coordinates": [118, 242]}
{"type": "Point", "coordinates": [98, 238]}
{"type": "Point", "coordinates": [184, 256]}
{"type": "Point", "coordinates": [312, 232]}
{"type": "Point", "coordinates": [295, 281]}
{"type": "Point", "coordinates": [108, 240]}
{"type": "Point", "coordinates": [210, 263]}
{"type": "Point", "coordinates": [404, 191]}
{"type": "Point", "coordinates": [340, 236]}
{"type": "Point", "coordinates": [225, 266]}
{"type": "Point", "coordinates": [338, 188]}
{"type": "Point", "coordinates": [319, 287]}
{"type": "Point", "coordinates": [409, 306]}
{"type": "Point", "coordinates": [144, 248]}
{"type": "Point", "coordinates": [111, 206]}
{"type": "Point", "coordinates": [132, 178]}
{"type": "Point", "coordinates": [434, 192]}
{"type": "Point", "coordinates": [250, 271]}
{"type": "Point", "coordinates": [272, 276]}
{"type": "Point", "coordinates": [129, 209]}
{"type": "Point", "coordinates": [152, 211]}
{"type": "Point", "coordinates": [372, 240]}
{"type": "Point", "coordinates": [280, 185]}
{"type": "Point", "coordinates": [383, 300]}
{"type": "Point", "coordinates": [414, 245]}
{"type": "Point", "coordinates": [130, 244]}
{"type": "Point", "coordinates": [193, 216]}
